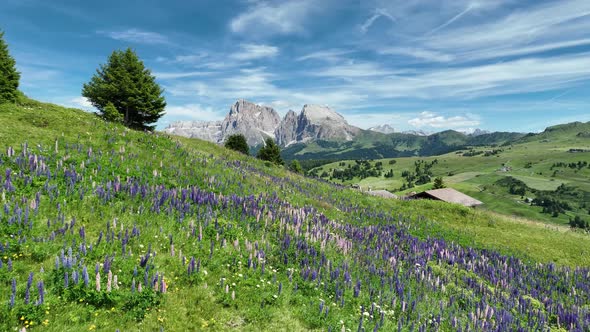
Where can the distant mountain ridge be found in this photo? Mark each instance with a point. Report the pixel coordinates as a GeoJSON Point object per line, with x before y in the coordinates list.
{"type": "Point", "coordinates": [373, 145]}
{"type": "Point", "coordinates": [257, 123]}
{"type": "Point", "coordinates": [384, 129]}
{"type": "Point", "coordinates": [318, 132]}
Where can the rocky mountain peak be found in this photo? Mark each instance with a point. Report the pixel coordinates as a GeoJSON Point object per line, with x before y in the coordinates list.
{"type": "Point", "coordinates": [205, 130]}
{"type": "Point", "coordinates": [321, 114]}
{"type": "Point", "coordinates": [255, 122]}
{"type": "Point", "coordinates": [384, 129]}
{"type": "Point", "coordinates": [286, 133]}
{"type": "Point", "coordinates": [321, 122]}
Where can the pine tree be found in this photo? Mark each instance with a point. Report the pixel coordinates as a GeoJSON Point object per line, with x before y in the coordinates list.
{"type": "Point", "coordinates": [270, 152]}
{"type": "Point", "coordinates": [9, 77]}
{"type": "Point", "coordinates": [237, 142]}
{"type": "Point", "coordinates": [438, 183]}
{"type": "Point", "coordinates": [110, 113]}
{"type": "Point", "coordinates": [129, 87]}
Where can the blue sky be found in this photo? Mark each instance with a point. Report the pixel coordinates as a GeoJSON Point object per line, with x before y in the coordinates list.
{"type": "Point", "coordinates": [415, 64]}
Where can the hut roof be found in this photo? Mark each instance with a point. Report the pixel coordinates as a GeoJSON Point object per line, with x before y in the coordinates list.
{"type": "Point", "coordinates": [382, 193]}
{"type": "Point", "coordinates": [449, 195]}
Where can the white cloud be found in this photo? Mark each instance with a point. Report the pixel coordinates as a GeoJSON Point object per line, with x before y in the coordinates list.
{"type": "Point", "coordinates": [286, 17]}
{"type": "Point", "coordinates": [511, 77]}
{"type": "Point", "coordinates": [473, 30]}
{"type": "Point", "coordinates": [418, 53]}
{"type": "Point", "coordinates": [453, 19]}
{"type": "Point", "coordinates": [254, 51]}
{"type": "Point", "coordinates": [176, 75]}
{"type": "Point", "coordinates": [325, 55]}
{"type": "Point", "coordinates": [194, 111]}
{"type": "Point", "coordinates": [74, 102]}
{"type": "Point", "coordinates": [434, 120]}
{"type": "Point", "coordinates": [354, 70]}
{"type": "Point", "coordinates": [82, 102]}
{"type": "Point", "coordinates": [136, 36]}
{"type": "Point", "coordinates": [376, 15]}
{"type": "Point", "coordinates": [547, 26]}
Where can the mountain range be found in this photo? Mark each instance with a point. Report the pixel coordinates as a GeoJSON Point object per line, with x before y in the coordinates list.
{"type": "Point", "coordinates": [257, 123]}
{"type": "Point", "coordinates": [318, 132]}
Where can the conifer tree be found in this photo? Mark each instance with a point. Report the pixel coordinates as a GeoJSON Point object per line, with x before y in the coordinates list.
{"type": "Point", "coordinates": [271, 152]}
{"type": "Point", "coordinates": [439, 183]}
{"type": "Point", "coordinates": [237, 142]}
{"type": "Point", "coordinates": [9, 76]}
{"type": "Point", "coordinates": [130, 88]}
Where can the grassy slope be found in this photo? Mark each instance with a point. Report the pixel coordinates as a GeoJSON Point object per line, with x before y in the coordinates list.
{"type": "Point", "coordinates": [472, 174]}
{"type": "Point", "coordinates": [110, 152]}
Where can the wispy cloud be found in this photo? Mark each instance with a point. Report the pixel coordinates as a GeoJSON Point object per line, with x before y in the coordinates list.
{"type": "Point", "coordinates": [254, 51]}
{"type": "Point", "coordinates": [376, 15]}
{"type": "Point", "coordinates": [418, 53]}
{"type": "Point", "coordinates": [354, 70]}
{"type": "Point", "coordinates": [177, 75]}
{"type": "Point", "coordinates": [325, 55]}
{"type": "Point", "coordinates": [189, 59]}
{"type": "Point", "coordinates": [453, 19]}
{"type": "Point", "coordinates": [472, 30]}
{"type": "Point", "coordinates": [136, 36]}
{"type": "Point", "coordinates": [549, 26]}
{"type": "Point", "coordinates": [511, 77]}
{"type": "Point", "coordinates": [194, 111]}
{"type": "Point", "coordinates": [434, 120]}
{"type": "Point", "coordinates": [33, 76]}
{"type": "Point", "coordinates": [283, 18]}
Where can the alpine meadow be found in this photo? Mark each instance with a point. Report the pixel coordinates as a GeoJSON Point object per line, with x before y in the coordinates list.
{"type": "Point", "coordinates": [295, 166]}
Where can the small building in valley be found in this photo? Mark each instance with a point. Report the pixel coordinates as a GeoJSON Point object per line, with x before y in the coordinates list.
{"type": "Point", "coordinates": [382, 193]}
{"type": "Point", "coordinates": [449, 195]}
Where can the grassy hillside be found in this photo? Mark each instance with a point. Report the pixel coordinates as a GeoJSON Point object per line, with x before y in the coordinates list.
{"type": "Point", "coordinates": [373, 145]}
{"type": "Point", "coordinates": [103, 228]}
{"type": "Point", "coordinates": [551, 164]}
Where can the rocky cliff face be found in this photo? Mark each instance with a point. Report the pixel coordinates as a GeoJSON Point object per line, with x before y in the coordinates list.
{"type": "Point", "coordinates": [205, 130]}
{"type": "Point", "coordinates": [286, 133]}
{"type": "Point", "coordinates": [320, 122]}
{"type": "Point", "coordinates": [255, 122]}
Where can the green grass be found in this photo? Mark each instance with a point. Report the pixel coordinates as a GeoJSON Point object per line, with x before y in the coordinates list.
{"type": "Point", "coordinates": [104, 156]}
{"type": "Point", "coordinates": [530, 160]}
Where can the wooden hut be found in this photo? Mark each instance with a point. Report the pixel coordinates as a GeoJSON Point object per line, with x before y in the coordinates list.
{"type": "Point", "coordinates": [449, 195]}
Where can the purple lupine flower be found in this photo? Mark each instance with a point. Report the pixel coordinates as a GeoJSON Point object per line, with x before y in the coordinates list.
{"type": "Point", "coordinates": [85, 276]}
{"type": "Point", "coordinates": [41, 288]}
{"type": "Point", "coordinates": [28, 289]}
{"type": "Point", "coordinates": [13, 294]}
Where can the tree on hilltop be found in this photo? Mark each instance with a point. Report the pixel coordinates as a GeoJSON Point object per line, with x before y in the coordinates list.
{"type": "Point", "coordinates": [125, 85]}
{"type": "Point", "coordinates": [237, 142]}
{"type": "Point", "coordinates": [9, 76]}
